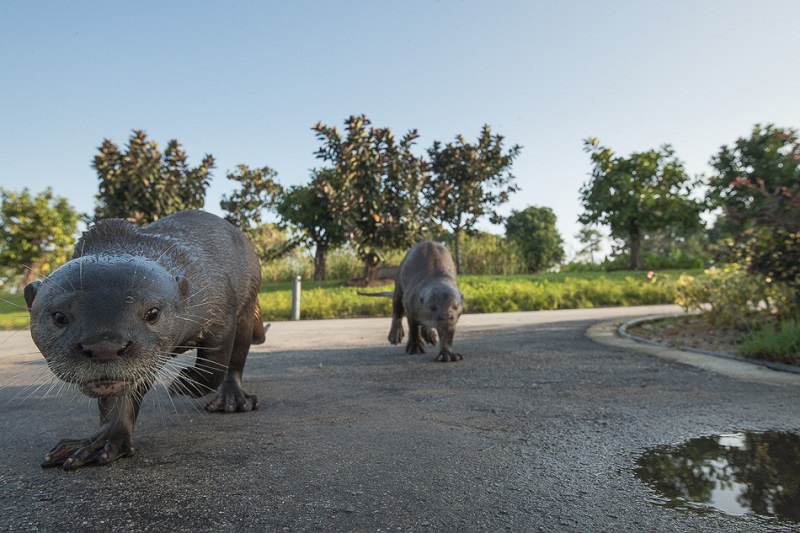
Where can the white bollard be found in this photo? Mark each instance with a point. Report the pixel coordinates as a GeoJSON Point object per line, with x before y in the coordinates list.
{"type": "Point", "coordinates": [296, 298]}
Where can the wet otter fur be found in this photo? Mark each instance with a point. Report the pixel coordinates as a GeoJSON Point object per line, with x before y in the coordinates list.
{"type": "Point", "coordinates": [426, 292]}
{"type": "Point", "coordinates": [133, 297]}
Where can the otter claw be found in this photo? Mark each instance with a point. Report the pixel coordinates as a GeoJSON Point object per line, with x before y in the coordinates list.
{"type": "Point", "coordinates": [447, 356]}
{"type": "Point", "coordinates": [238, 403]}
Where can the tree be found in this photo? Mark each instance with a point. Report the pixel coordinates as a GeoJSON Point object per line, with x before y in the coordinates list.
{"type": "Point", "coordinates": [534, 232]}
{"type": "Point", "coordinates": [258, 192]}
{"type": "Point", "coordinates": [769, 160]}
{"type": "Point", "coordinates": [646, 191]}
{"type": "Point", "coordinates": [36, 233]}
{"type": "Point", "coordinates": [758, 189]}
{"type": "Point", "coordinates": [143, 185]}
{"type": "Point", "coordinates": [247, 208]}
{"type": "Point", "coordinates": [308, 209]}
{"type": "Point", "coordinates": [471, 181]}
{"type": "Point", "coordinates": [376, 196]}
{"type": "Point", "coordinates": [591, 239]}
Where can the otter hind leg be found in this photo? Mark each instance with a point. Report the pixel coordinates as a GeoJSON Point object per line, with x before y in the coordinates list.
{"type": "Point", "coordinates": [416, 342]}
{"type": "Point", "coordinates": [232, 397]}
{"type": "Point", "coordinates": [396, 332]}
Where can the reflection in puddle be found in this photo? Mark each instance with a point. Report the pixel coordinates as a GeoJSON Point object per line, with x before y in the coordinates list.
{"type": "Point", "coordinates": [737, 473]}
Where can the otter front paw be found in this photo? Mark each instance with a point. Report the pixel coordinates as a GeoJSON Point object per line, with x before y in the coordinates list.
{"type": "Point", "coordinates": [396, 333]}
{"type": "Point", "coordinates": [232, 399]}
{"type": "Point", "coordinates": [101, 449]}
{"type": "Point", "coordinates": [447, 356]}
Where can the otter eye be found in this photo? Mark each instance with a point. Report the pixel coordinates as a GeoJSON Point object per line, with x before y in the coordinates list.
{"type": "Point", "coordinates": [60, 319]}
{"type": "Point", "coordinates": [152, 315]}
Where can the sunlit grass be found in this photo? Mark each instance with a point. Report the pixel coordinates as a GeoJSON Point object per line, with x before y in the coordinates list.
{"type": "Point", "coordinates": [483, 294]}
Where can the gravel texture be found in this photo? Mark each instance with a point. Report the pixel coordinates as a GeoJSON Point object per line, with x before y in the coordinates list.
{"type": "Point", "coordinates": [537, 429]}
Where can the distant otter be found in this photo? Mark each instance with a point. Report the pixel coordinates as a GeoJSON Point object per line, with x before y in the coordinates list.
{"type": "Point", "coordinates": [426, 291]}
{"type": "Point", "coordinates": [133, 297]}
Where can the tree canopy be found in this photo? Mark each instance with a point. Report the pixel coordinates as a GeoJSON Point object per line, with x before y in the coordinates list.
{"type": "Point", "coordinates": [758, 188]}
{"type": "Point", "coordinates": [766, 161]}
{"type": "Point", "coordinates": [247, 208]}
{"type": "Point", "coordinates": [37, 233]}
{"type": "Point", "coordinates": [646, 191]}
{"type": "Point", "coordinates": [376, 194]}
{"type": "Point", "coordinates": [470, 182]}
{"type": "Point", "coordinates": [141, 184]}
{"type": "Point", "coordinates": [307, 208]}
{"type": "Point", "coordinates": [534, 232]}
{"type": "Point", "coordinates": [258, 192]}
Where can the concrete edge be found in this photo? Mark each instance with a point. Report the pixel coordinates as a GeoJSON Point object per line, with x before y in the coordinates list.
{"type": "Point", "coordinates": [613, 333]}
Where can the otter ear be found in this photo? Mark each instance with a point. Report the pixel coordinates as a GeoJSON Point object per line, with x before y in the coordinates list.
{"type": "Point", "coordinates": [30, 292]}
{"type": "Point", "coordinates": [183, 286]}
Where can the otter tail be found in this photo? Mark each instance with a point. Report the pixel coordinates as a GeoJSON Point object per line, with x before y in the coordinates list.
{"type": "Point", "coordinates": [386, 294]}
{"type": "Point", "coordinates": [259, 329]}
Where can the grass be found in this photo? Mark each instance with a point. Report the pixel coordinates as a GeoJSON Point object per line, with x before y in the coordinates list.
{"type": "Point", "coordinates": [775, 343]}
{"type": "Point", "coordinates": [483, 294]}
{"type": "Point", "coordinates": [13, 312]}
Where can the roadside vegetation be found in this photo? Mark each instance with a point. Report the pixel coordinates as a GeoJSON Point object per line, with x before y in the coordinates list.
{"type": "Point", "coordinates": [375, 193]}
{"type": "Point", "coordinates": [483, 294]}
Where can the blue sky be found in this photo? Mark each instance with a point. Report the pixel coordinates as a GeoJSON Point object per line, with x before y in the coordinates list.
{"type": "Point", "coordinates": [246, 80]}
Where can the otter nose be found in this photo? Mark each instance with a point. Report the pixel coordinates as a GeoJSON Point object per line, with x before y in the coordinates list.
{"type": "Point", "coordinates": [104, 350]}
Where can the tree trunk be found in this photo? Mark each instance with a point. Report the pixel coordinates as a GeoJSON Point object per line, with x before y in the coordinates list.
{"type": "Point", "coordinates": [320, 262]}
{"type": "Point", "coordinates": [457, 240]}
{"type": "Point", "coordinates": [636, 247]}
{"type": "Point", "coordinates": [372, 264]}
{"type": "Point", "coordinates": [31, 274]}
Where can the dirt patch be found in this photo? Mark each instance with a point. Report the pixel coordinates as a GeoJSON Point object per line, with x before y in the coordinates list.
{"type": "Point", "coordinates": [689, 332]}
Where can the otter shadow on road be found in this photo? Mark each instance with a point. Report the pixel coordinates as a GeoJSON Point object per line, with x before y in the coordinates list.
{"type": "Point", "coordinates": [537, 428]}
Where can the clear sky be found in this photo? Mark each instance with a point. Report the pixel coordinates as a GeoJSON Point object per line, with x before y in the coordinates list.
{"type": "Point", "coordinates": [246, 80]}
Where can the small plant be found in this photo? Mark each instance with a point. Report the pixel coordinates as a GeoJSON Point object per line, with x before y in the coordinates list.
{"type": "Point", "coordinates": [781, 343]}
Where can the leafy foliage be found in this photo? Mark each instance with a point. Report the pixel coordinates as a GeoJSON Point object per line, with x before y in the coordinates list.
{"type": "Point", "coordinates": [374, 189]}
{"type": "Point", "coordinates": [248, 205]}
{"type": "Point", "coordinates": [258, 191]}
{"type": "Point", "coordinates": [534, 232]}
{"type": "Point", "coordinates": [730, 296]}
{"type": "Point", "coordinates": [486, 253]}
{"type": "Point", "coordinates": [758, 188]}
{"type": "Point", "coordinates": [645, 192]}
{"type": "Point", "coordinates": [471, 182]}
{"type": "Point", "coordinates": [591, 239]}
{"type": "Point", "coordinates": [308, 208]}
{"type": "Point", "coordinates": [37, 233]}
{"type": "Point", "coordinates": [142, 185]}
{"type": "Point", "coordinates": [767, 161]}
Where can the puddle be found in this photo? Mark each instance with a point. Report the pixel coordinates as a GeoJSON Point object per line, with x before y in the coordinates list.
{"type": "Point", "coordinates": [736, 473]}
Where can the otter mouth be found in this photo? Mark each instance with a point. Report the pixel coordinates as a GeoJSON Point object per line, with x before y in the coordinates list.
{"type": "Point", "coordinates": [107, 387]}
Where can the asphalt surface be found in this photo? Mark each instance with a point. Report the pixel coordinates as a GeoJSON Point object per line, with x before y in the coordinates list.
{"type": "Point", "coordinates": [537, 429]}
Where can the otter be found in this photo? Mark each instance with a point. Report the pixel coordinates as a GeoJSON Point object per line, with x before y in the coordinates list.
{"type": "Point", "coordinates": [131, 298]}
{"type": "Point", "coordinates": [426, 291]}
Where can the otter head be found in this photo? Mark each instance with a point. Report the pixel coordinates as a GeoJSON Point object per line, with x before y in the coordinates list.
{"type": "Point", "coordinates": [107, 323]}
{"type": "Point", "coordinates": [441, 306]}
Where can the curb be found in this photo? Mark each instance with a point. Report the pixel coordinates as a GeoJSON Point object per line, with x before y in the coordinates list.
{"type": "Point", "coordinates": [622, 330]}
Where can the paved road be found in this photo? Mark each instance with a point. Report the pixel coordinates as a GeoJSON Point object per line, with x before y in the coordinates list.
{"type": "Point", "coordinates": [536, 430]}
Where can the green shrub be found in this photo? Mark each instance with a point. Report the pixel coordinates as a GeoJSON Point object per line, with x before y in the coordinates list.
{"type": "Point", "coordinates": [729, 296]}
{"type": "Point", "coordinates": [781, 343]}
